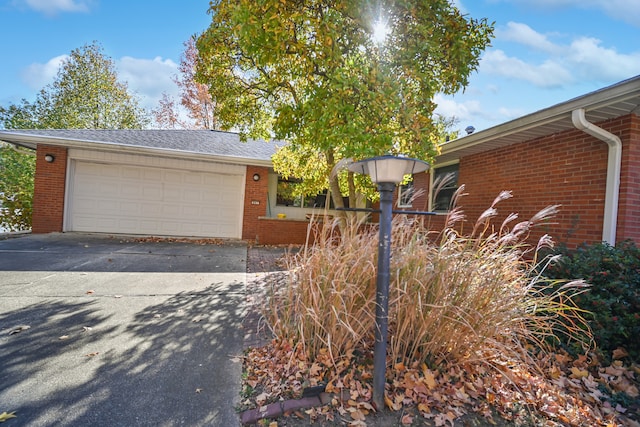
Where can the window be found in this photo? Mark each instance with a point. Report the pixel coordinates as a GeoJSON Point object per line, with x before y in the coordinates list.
{"type": "Point", "coordinates": [405, 195]}
{"type": "Point", "coordinates": [445, 184]}
{"type": "Point", "coordinates": [285, 195]}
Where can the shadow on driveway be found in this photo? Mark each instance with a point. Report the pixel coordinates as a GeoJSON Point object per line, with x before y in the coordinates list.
{"type": "Point", "coordinates": [156, 358]}
{"type": "Point", "coordinates": [96, 252]}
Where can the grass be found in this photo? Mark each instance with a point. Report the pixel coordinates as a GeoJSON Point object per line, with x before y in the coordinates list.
{"type": "Point", "coordinates": [452, 298]}
{"type": "Point", "coordinates": [472, 323]}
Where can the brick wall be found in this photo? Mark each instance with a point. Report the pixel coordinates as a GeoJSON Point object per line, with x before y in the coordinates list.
{"type": "Point", "coordinates": [255, 202]}
{"type": "Point", "coordinates": [48, 197]}
{"type": "Point", "coordinates": [275, 231]}
{"type": "Point", "coordinates": [628, 128]}
{"type": "Point", "coordinates": [569, 169]}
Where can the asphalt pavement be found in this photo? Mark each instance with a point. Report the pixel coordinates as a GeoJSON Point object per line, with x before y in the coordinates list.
{"type": "Point", "coordinates": [111, 331]}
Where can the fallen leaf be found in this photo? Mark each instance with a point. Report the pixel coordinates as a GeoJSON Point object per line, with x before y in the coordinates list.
{"type": "Point", "coordinates": [578, 373]}
{"type": "Point", "coordinates": [429, 378]}
{"type": "Point", "coordinates": [273, 424]}
{"type": "Point", "coordinates": [5, 416]}
{"type": "Point", "coordinates": [262, 398]}
{"type": "Point", "coordinates": [619, 353]}
{"type": "Point", "coordinates": [407, 419]}
{"type": "Point", "coordinates": [357, 415]}
{"type": "Point", "coordinates": [19, 329]}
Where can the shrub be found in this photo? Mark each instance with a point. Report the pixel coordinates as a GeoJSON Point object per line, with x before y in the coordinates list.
{"type": "Point", "coordinates": [613, 301]}
{"type": "Point", "coordinates": [452, 297]}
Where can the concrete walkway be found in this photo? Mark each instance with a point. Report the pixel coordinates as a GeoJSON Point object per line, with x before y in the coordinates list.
{"type": "Point", "coordinates": [108, 332]}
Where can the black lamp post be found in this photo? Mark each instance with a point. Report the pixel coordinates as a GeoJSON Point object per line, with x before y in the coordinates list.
{"type": "Point", "coordinates": [386, 172]}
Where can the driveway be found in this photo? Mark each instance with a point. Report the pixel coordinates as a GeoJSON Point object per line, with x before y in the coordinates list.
{"type": "Point", "coordinates": [97, 330]}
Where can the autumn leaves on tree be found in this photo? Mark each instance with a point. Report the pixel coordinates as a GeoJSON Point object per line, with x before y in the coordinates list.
{"type": "Point", "coordinates": [313, 74]}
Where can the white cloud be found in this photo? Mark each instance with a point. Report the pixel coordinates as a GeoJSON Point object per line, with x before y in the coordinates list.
{"type": "Point", "coordinates": [624, 10]}
{"type": "Point", "coordinates": [53, 7]}
{"type": "Point", "coordinates": [145, 78]}
{"type": "Point", "coordinates": [507, 114]}
{"type": "Point", "coordinates": [37, 76]}
{"type": "Point", "coordinates": [148, 78]}
{"type": "Point", "coordinates": [525, 35]}
{"type": "Point", "coordinates": [549, 74]}
{"type": "Point", "coordinates": [592, 60]}
{"type": "Point", "coordinates": [465, 112]}
{"type": "Point", "coordinates": [583, 58]}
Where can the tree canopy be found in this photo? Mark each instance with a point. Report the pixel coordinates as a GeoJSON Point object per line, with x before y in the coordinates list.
{"type": "Point", "coordinates": [16, 188]}
{"type": "Point", "coordinates": [312, 73]}
{"type": "Point", "coordinates": [194, 96]}
{"type": "Point", "coordinates": [85, 94]}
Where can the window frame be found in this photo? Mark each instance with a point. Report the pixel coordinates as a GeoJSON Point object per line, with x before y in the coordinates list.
{"type": "Point", "coordinates": [403, 189]}
{"type": "Point", "coordinates": [449, 189]}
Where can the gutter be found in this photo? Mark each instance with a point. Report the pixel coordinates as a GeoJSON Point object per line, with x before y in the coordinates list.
{"type": "Point", "coordinates": [614, 161]}
{"type": "Point", "coordinates": [31, 141]}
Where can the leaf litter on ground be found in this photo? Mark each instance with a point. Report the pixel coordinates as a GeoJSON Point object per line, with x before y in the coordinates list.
{"type": "Point", "coordinates": [567, 392]}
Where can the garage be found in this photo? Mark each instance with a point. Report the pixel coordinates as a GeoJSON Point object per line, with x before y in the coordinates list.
{"type": "Point", "coordinates": [169, 199]}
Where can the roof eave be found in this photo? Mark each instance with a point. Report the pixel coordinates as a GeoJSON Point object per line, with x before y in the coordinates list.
{"type": "Point", "coordinates": [625, 90]}
{"type": "Point", "coordinates": [31, 141]}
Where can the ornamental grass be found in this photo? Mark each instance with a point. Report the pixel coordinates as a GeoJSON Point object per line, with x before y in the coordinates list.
{"type": "Point", "coordinates": [453, 298]}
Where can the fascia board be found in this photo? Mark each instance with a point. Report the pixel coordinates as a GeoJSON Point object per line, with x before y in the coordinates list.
{"type": "Point", "coordinates": [32, 141]}
{"type": "Point", "coordinates": [618, 93]}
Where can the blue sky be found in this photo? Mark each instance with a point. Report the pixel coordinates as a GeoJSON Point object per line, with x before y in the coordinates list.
{"type": "Point", "coordinates": [545, 51]}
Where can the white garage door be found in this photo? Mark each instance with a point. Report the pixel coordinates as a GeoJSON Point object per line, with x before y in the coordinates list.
{"type": "Point", "coordinates": [130, 199]}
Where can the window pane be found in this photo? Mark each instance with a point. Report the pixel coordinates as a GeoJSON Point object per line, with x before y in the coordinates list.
{"type": "Point", "coordinates": [285, 193]}
{"type": "Point", "coordinates": [442, 199]}
{"type": "Point", "coordinates": [405, 195]}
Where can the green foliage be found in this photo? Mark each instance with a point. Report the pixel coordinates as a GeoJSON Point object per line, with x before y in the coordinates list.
{"type": "Point", "coordinates": [85, 94]}
{"type": "Point", "coordinates": [613, 300]}
{"type": "Point", "coordinates": [17, 171]}
{"type": "Point", "coordinates": [21, 116]}
{"type": "Point", "coordinates": [312, 74]}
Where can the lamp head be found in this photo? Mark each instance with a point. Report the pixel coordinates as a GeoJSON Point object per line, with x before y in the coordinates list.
{"type": "Point", "coordinates": [388, 168]}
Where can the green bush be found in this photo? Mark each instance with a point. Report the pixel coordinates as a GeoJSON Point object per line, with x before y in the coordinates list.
{"type": "Point", "coordinates": [613, 300]}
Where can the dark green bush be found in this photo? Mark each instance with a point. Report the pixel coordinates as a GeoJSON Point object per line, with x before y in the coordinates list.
{"type": "Point", "coordinates": [613, 300]}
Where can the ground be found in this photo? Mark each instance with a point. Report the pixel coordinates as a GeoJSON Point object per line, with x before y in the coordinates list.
{"type": "Point", "coordinates": [261, 260]}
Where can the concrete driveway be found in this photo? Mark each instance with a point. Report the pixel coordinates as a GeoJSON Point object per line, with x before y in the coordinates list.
{"type": "Point", "coordinates": [100, 331]}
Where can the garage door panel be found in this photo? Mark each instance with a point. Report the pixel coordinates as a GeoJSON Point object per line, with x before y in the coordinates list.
{"type": "Point", "coordinates": [146, 200]}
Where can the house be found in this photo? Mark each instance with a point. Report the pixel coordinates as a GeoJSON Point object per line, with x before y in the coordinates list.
{"type": "Point", "coordinates": [583, 154]}
{"type": "Point", "coordinates": [152, 182]}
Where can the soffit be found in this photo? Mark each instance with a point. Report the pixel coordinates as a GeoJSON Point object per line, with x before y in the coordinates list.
{"type": "Point", "coordinates": [614, 101]}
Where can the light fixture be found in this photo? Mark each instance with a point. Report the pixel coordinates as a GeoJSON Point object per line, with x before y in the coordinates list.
{"type": "Point", "coordinates": [388, 168]}
{"type": "Point", "coordinates": [49, 158]}
{"type": "Point", "coordinates": [386, 171]}
{"type": "Point", "coordinates": [256, 177]}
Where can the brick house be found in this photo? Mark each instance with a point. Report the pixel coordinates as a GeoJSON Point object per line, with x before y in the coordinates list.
{"type": "Point", "coordinates": [583, 154]}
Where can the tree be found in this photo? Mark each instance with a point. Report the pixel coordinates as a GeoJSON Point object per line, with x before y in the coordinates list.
{"type": "Point", "coordinates": [194, 97]}
{"type": "Point", "coordinates": [16, 188]}
{"type": "Point", "coordinates": [21, 116]}
{"type": "Point", "coordinates": [86, 94]}
{"type": "Point", "coordinates": [313, 74]}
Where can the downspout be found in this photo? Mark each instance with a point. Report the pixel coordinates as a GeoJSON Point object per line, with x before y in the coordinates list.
{"type": "Point", "coordinates": [614, 162]}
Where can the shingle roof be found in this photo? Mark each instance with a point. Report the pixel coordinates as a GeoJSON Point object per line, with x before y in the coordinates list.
{"type": "Point", "coordinates": [204, 142]}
